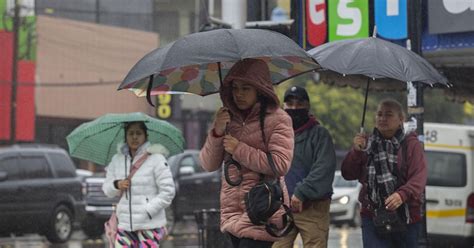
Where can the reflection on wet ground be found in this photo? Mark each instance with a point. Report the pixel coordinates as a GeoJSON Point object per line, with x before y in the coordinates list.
{"type": "Point", "coordinates": [184, 236]}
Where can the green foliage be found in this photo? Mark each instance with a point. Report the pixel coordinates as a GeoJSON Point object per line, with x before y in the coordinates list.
{"type": "Point", "coordinates": [439, 109]}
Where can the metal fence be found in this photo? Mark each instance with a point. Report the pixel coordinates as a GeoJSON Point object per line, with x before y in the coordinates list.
{"type": "Point", "coordinates": [210, 236]}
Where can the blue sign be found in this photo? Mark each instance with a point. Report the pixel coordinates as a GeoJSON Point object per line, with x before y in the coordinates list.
{"type": "Point", "coordinates": [391, 18]}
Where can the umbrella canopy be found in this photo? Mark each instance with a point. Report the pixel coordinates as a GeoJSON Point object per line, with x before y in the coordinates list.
{"type": "Point", "coordinates": [197, 63]}
{"type": "Point", "coordinates": [375, 58]}
{"type": "Point", "coordinates": [97, 140]}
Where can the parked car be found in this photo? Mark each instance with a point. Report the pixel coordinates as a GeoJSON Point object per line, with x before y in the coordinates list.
{"type": "Point", "coordinates": [39, 192]}
{"type": "Point", "coordinates": [345, 206]}
{"type": "Point", "coordinates": [99, 207]}
{"type": "Point", "coordinates": [196, 189]}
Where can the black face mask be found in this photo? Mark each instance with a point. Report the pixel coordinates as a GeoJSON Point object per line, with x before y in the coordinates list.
{"type": "Point", "coordinates": [298, 116]}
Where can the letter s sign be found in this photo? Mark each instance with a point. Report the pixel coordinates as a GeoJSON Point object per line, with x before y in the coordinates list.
{"type": "Point", "coordinates": [348, 19]}
{"type": "Point", "coordinates": [316, 22]}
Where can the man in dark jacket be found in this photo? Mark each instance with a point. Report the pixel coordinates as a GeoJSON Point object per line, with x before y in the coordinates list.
{"type": "Point", "coordinates": [310, 178]}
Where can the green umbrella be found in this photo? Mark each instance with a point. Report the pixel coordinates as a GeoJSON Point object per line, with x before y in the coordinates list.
{"type": "Point", "coordinates": [97, 140]}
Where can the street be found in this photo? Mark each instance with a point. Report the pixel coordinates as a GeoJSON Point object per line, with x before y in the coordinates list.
{"type": "Point", "coordinates": [185, 236]}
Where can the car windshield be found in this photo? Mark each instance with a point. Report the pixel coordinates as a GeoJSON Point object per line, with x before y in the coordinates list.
{"type": "Point", "coordinates": [340, 182]}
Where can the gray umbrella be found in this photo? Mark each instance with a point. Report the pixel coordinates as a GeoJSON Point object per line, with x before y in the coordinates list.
{"type": "Point", "coordinates": [376, 58]}
{"type": "Point", "coordinates": [198, 62]}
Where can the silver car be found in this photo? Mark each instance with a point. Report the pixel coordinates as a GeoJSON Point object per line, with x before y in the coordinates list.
{"type": "Point", "coordinates": [345, 207]}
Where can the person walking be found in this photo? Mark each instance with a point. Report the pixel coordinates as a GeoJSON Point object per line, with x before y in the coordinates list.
{"type": "Point", "coordinates": [392, 168]}
{"type": "Point", "coordinates": [249, 124]}
{"type": "Point", "coordinates": [143, 197]}
{"type": "Point", "coordinates": [311, 175]}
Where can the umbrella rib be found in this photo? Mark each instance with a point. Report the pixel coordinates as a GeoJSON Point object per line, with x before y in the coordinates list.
{"type": "Point", "coordinates": [235, 44]}
{"type": "Point", "coordinates": [220, 72]}
{"type": "Point", "coordinates": [85, 138]}
{"type": "Point", "coordinates": [111, 143]}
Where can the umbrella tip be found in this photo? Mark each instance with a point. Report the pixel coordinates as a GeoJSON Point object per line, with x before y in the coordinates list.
{"type": "Point", "coordinates": [374, 33]}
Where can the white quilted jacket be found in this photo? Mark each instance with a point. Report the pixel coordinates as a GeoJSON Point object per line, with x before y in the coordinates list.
{"type": "Point", "coordinates": [152, 188]}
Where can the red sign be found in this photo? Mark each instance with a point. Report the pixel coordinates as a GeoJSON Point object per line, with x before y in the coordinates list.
{"type": "Point", "coordinates": [6, 42]}
{"type": "Point", "coordinates": [25, 102]}
{"type": "Point", "coordinates": [316, 22]}
{"type": "Point", "coordinates": [25, 98]}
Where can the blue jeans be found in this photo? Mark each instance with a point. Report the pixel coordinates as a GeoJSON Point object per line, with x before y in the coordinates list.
{"type": "Point", "coordinates": [407, 239]}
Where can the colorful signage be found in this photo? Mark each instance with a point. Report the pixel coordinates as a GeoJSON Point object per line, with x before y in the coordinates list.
{"type": "Point", "coordinates": [316, 22]}
{"type": "Point", "coordinates": [348, 19]}
{"type": "Point", "coordinates": [329, 20]}
{"type": "Point", "coordinates": [450, 16]}
{"type": "Point", "coordinates": [25, 101]}
{"type": "Point", "coordinates": [391, 18]}
{"type": "Point", "coordinates": [163, 107]}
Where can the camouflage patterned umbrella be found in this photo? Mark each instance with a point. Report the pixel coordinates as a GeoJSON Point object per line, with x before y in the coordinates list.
{"type": "Point", "coordinates": [197, 63]}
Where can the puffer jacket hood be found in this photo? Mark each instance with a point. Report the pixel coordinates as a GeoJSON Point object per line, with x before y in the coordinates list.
{"type": "Point", "coordinates": [147, 146]}
{"type": "Point", "coordinates": [254, 72]}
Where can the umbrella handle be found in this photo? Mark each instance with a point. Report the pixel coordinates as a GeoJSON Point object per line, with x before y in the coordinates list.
{"type": "Point", "coordinates": [148, 91]}
{"type": "Point", "coordinates": [365, 105]}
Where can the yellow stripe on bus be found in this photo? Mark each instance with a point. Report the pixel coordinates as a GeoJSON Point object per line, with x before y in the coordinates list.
{"type": "Point", "coordinates": [469, 148]}
{"type": "Point", "coordinates": [446, 213]}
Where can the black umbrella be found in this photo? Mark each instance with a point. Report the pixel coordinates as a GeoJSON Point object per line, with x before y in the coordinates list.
{"type": "Point", "coordinates": [197, 63]}
{"type": "Point", "coordinates": [376, 58]}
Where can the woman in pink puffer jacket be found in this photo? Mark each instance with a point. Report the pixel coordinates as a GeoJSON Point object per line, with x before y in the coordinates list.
{"type": "Point", "coordinates": [250, 103]}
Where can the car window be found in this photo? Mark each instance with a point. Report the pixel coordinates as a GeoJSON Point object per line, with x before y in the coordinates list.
{"type": "Point", "coordinates": [10, 165]}
{"type": "Point", "coordinates": [340, 182]}
{"type": "Point", "coordinates": [62, 165]}
{"type": "Point", "coordinates": [35, 167]}
{"type": "Point", "coordinates": [446, 169]}
{"type": "Point", "coordinates": [189, 161]}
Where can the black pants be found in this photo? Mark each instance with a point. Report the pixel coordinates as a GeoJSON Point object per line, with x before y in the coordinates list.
{"type": "Point", "coordinates": [249, 243]}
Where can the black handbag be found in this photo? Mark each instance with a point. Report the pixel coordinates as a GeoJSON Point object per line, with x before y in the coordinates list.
{"type": "Point", "coordinates": [263, 200]}
{"type": "Point", "coordinates": [387, 222]}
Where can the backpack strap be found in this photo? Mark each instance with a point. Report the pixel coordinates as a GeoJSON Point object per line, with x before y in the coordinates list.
{"type": "Point", "coordinates": [137, 165]}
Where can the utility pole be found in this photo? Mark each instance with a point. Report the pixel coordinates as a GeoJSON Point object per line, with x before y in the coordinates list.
{"type": "Point", "coordinates": [16, 29]}
{"type": "Point", "coordinates": [415, 93]}
{"type": "Point", "coordinates": [235, 13]}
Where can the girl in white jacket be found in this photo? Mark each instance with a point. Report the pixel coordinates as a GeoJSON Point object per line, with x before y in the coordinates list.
{"type": "Point", "coordinates": [141, 209]}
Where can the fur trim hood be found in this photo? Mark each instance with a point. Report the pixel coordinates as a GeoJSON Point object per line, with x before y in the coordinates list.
{"type": "Point", "coordinates": [147, 146]}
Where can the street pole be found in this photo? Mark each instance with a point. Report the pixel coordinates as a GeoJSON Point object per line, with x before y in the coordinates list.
{"type": "Point", "coordinates": [415, 94]}
{"type": "Point", "coordinates": [16, 28]}
{"type": "Point", "coordinates": [235, 13]}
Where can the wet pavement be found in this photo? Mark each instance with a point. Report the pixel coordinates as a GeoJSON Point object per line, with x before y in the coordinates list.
{"type": "Point", "coordinates": [185, 235]}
